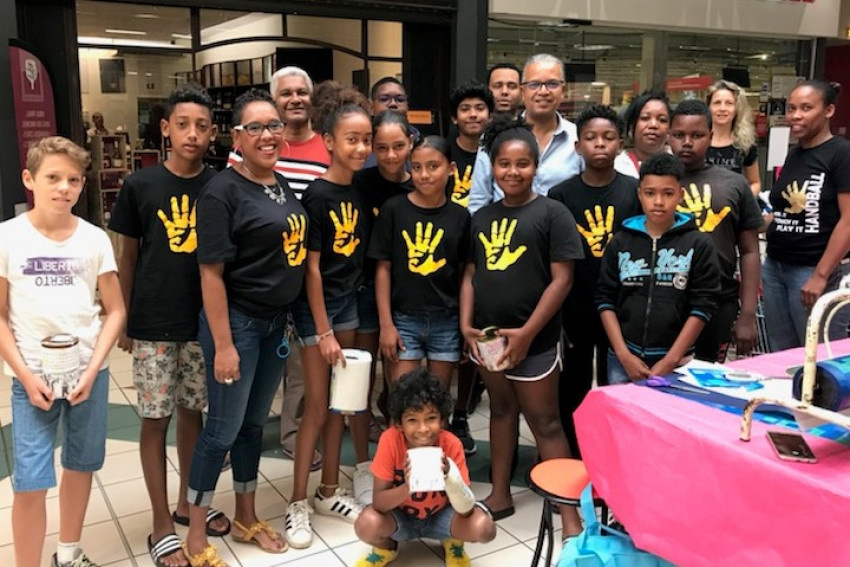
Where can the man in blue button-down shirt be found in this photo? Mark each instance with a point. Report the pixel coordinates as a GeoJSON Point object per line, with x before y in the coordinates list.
{"type": "Point", "coordinates": [542, 93]}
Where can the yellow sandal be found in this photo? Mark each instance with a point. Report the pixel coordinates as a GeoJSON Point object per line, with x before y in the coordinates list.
{"type": "Point", "coordinates": [250, 535]}
{"type": "Point", "coordinates": [206, 558]}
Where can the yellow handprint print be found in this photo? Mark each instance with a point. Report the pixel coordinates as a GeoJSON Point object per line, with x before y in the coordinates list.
{"type": "Point", "coordinates": [294, 240]}
{"type": "Point", "coordinates": [796, 197]}
{"type": "Point", "coordinates": [599, 230]}
{"type": "Point", "coordinates": [700, 206]}
{"type": "Point", "coordinates": [180, 228]}
{"type": "Point", "coordinates": [420, 251]}
{"type": "Point", "coordinates": [499, 256]}
{"type": "Point", "coordinates": [462, 186]}
{"type": "Point", "coordinates": [345, 242]}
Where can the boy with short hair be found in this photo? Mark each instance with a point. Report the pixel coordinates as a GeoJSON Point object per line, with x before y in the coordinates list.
{"type": "Point", "coordinates": [53, 265]}
{"type": "Point", "coordinates": [600, 199]}
{"type": "Point", "coordinates": [658, 280]}
{"type": "Point", "coordinates": [418, 406]}
{"type": "Point", "coordinates": [724, 207]}
{"type": "Point", "coordinates": [155, 215]}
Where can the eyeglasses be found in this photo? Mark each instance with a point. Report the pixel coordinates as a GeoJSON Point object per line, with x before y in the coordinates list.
{"type": "Point", "coordinates": [386, 98]}
{"type": "Point", "coordinates": [535, 85]}
{"type": "Point", "coordinates": [254, 129]}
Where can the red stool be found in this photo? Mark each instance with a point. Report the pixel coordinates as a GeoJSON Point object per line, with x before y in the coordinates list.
{"type": "Point", "coordinates": [558, 481]}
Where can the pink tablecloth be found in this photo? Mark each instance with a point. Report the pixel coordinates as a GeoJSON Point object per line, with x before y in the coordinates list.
{"type": "Point", "coordinates": [775, 364]}
{"type": "Point", "coordinates": [677, 476]}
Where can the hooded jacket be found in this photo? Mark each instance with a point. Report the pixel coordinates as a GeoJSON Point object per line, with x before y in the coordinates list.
{"type": "Point", "coordinates": [655, 284]}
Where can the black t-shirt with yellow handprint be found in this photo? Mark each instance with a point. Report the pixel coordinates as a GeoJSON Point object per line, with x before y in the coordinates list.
{"type": "Point", "coordinates": [427, 249]}
{"type": "Point", "coordinates": [158, 208]}
{"type": "Point", "coordinates": [513, 248]}
{"type": "Point", "coordinates": [459, 184]}
{"type": "Point", "coordinates": [805, 201]}
{"type": "Point", "coordinates": [723, 206]}
{"type": "Point", "coordinates": [260, 243]}
{"type": "Point", "coordinates": [339, 233]}
{"type": "Point", "coordinates": [599, 212]}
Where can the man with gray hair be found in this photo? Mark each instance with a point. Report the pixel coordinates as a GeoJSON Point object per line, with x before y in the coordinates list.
{"type": "Point", "coordinates": [302, 159]}
{"type": "Point", "coordinates": [304, 156]}
{"type": "Point", "coordinates": [542, 93]}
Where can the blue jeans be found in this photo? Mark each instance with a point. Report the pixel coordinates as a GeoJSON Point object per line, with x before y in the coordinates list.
{"type": "Point", "coordinates": [34, 434]}
{"type": "Point", "coordinates": [616, 372]}
{"type": "Point", "coordinates": [784, 313]}
{"type": "Point", "coordinates": [237, 413]}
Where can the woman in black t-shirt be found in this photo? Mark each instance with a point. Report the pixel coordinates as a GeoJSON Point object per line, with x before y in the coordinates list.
{"type": "Point", "coordinates": [520, 270]}
{"type": "Point", "coordinates": [251, 250]}
{"type": "Point", "coordinates": [809, 239]}
{"type": "Point", "coordinates": [733, 135]}
{"type": "Point", "coordinates": [326, 314]}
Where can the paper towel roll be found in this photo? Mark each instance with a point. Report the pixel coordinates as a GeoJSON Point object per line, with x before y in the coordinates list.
{"type": "Point", "coordinates": [832, 384]}
{"type": "Point", "coordinates": [350, 384]}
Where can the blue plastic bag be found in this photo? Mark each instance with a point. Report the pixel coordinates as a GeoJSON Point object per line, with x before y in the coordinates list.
{"type": "Point", "coordinates": [602, 546]}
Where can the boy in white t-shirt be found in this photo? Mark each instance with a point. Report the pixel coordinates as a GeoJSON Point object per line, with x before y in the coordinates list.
{"type": "Point", "coordinates": [52, 265]}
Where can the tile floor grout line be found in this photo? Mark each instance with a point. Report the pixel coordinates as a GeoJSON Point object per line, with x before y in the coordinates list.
{"type": "Point", "coordinates": [115, 521]}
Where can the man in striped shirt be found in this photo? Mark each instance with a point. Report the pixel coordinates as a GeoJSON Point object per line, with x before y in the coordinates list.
{"type": "Point", "coordinates": [303, 157]}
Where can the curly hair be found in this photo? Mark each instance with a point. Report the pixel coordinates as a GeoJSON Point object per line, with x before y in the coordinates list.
{"type": "Point", "coordinates": [190, 92]}
{"type": "Point", "coordinates": [332, 101]}
{"type": "Point", "coordinates": [415, 391]}
{"type": "Point", "coordinates": [246, 98]}
{"type": "Point", "coordinates": [662, 164]}
{"type": "Point", "coordinates": [471, 89]}
{"type": "Point", "coordinates": [743, 128]}
{"type": "Point", "coordinates": [603, 111]}
{"type": "Point", "coordinates": [505, 128]}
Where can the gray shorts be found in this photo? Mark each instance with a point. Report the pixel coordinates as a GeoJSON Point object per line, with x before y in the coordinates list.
{"type": "Point", "coordinates": [437, 526]}
{"type": "Point", "coordinates": [537, 366]}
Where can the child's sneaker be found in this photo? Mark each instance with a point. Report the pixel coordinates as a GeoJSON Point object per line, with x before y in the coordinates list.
{"type": "Point", "coordinates": [340, 504]}
{"type": "Point", "coordinates": [80, 561]}
{"type": "Point", "coordinates": [299, 532]}
{"type": "Point", "coordinates": [364, 483]}
{"type": "Point", "coordinates": [455, 553]}
{"type": "Point", "coordinates": [460, 427]}
{"type": "Point", "coordinates": [377, 558]}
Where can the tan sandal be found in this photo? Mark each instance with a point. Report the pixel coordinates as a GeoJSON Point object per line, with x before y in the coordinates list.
{"type": "Point", "coordinates": [206, 558]}
{"type": "Point", "coordinates": [250, 535]}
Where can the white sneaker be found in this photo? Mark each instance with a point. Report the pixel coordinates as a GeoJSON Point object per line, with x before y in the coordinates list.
{"type": "Point", "coordinates": [299, 532]}
{"type": "Point", "coordinates": [364, 483]}
{"type": "Point", "coordinates": [340, 504]}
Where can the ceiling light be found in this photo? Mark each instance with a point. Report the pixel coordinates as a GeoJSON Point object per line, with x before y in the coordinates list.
{"type": "Point", "coordinates": [146, 16]}
{"type": "Point", "coordinates": [599, 47]}
{"type": "Point", "coordinates": [181, 36]}
{"type": "Point", "coordinates": [125, 32]}
{"type": "Point", "coordinates": [117, 42]}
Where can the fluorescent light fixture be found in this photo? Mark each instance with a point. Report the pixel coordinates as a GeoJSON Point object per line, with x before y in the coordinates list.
{"type": "Point", "coordinates": [95, 53]}
{"type": "Point", "coordinates": [146, 16]}
{"type": "Point", "coordinates": [599, 47]}
{"type": "Point", "coordinates": [125, 32]}
{"type": "Point", "coordinates": [181, 35]}
{"type": "Point", "coordinates": [119, 42]}
{"type": "Point", "coordinates": [598, 84]}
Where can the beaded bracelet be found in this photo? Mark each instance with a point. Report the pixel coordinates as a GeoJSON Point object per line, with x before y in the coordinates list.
{"type": "Point", "coordinates": [326, 334]}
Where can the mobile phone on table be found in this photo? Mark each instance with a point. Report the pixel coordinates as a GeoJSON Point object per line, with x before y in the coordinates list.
{"type": "Point", "coordinates": [791, 447]}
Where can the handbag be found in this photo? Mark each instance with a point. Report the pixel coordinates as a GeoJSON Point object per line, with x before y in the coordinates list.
{"type": "Point", "coordinates": [599, 545]}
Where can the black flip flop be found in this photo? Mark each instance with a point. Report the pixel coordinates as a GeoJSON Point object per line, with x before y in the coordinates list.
{"type": "Point", "coordinates": [212, 514]}
{"type": "Point", "coordinates": [497, 514]}
{"type": "Point", "coordinates": [167, 545]}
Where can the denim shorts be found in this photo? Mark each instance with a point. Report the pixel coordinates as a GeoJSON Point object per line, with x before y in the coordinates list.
{"type": "Point", "coordinates": [434, 335]}
{"type": "Point", "coordinates": [367, 309]}
{"type": "Point", "coordinates": [438, 526]}
{"type": "Point", "coordinates": [34, 435]}
{"type": "Point", "coordinates": [342, 315]}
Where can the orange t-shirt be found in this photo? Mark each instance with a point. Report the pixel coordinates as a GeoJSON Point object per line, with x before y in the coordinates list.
{"type": "Point", "coordinates": [388, 465]}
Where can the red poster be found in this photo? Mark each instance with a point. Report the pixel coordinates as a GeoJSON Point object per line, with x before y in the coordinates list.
{"type": "Point", "coordinates": [35, 114]}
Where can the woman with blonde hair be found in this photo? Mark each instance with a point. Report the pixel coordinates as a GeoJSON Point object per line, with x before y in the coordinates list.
{"type": "Point", "coordinates": [733, 134]}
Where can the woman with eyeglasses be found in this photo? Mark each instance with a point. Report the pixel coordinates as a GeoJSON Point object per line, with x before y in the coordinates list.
{"type": "Point", "coordinates": [252, 253]}
{"type": "Point", "coordinates": [733, 134]}
{"type": "Point", "coordinates": [647, 121]}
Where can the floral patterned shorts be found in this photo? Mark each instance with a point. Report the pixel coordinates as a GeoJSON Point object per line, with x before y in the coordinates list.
{"type": "Point", "coordinates": [168, 373]}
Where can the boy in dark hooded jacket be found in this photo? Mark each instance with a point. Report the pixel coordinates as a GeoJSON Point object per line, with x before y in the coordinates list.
{"type": "Point", "coordinates": [659, 280]}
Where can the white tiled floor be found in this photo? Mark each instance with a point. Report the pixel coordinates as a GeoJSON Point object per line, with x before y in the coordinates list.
{"type": "Point", "coordinates": [117, 522]}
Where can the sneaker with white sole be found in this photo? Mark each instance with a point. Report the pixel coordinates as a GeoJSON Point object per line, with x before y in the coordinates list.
{"type": "Point", "coordinates": [80, 561]}
{"type": "Point", "coordinates": [340, 504]}
{"type": "Point", "coordinates": [364, 483]}
{"type": "Point", "coordinates": [299, 532]}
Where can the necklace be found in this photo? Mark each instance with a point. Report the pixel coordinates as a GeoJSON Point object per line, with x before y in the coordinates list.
{"type": "Point", "coordinates": [274, 192]}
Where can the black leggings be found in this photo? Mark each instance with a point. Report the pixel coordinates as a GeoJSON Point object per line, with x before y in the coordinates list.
{"type": "Point", "coordinates": [713, 341]}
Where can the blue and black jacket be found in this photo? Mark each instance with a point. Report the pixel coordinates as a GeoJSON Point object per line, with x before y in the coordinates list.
{"type": "Point", "coordinates": [655, 284]}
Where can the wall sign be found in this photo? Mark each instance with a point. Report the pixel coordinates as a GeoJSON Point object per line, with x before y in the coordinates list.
{"type": "Point", "coordinates": [35, 113]}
